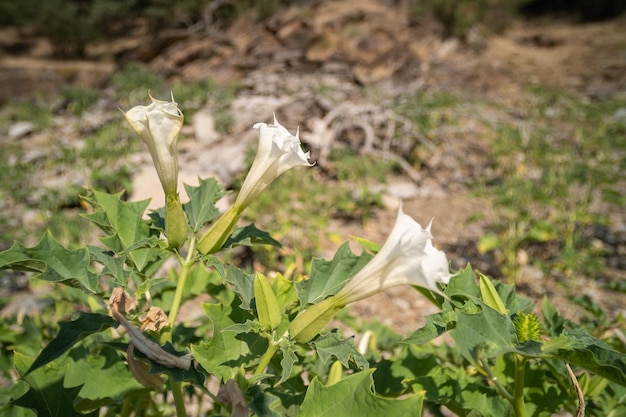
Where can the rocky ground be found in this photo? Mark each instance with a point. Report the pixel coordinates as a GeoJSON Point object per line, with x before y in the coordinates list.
{"type": "Point", "coordinates": [346, 47]}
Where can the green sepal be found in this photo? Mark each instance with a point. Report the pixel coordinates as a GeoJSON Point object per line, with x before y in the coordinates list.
{"type": "Point", "coordinates": [214, 238]}
{"type": "Point", "coordinates": [311, 321]}
{"type": "Point", "coordinates": [489, 294]}
{"type": "Point", "coordinates": [175, 222]}
{"type": "Point", "coordinates": [267, 307]}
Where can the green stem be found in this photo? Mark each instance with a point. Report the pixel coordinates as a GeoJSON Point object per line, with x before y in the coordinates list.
{"type": "Point", "coordinates": [494, 378]}
{"type": "Point", "coordinates": [179, 400]}
{"type": "Point", "coordinates": [266, 358]}
{"type": "Point", "coordinates": [269, 354]}
{"type": "Point", "coordinates": [518, 397]}
{"type": "Point", "coordinates": [180, 285]}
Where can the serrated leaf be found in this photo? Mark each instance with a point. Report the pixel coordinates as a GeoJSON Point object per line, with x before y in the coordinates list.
{"type": "Point", "coordinates": [113, 265]}
{"type": "Point", "coordinates": [123, 223]}
{"type": "Point", "coordinates": [101, 378]}
{"type": "Point", "coordinates": [328, 277]}
{"type": "Point", "coordinates": [463, 284]}
{"type": "Point", "coordinates": [248, 236]}
{"type": "Point", "coordinates": [331, 345]}
{"type": "Point", "coordinates": [484, 333]}
{"type": "Point", "coordinates": [52, 262]}
{"type": "Point", "coordinates": [223, 347]}
{"type": "Point", "coordinates": [201, 206]}
{"type": "Point", "coordinates": [353, 396]}
{"type": "Point", "coordinates": [47, 394]}
{"type": "Point", "coordinates": [489, 294]}
{"type": "Point", "coordinates": [288, 360]}
{"type": "Point", "coordinates": [592, 354]}
{"type": "Point", "coordinates": [243, 284]}
{"type": "Point", "coordinates": [436, 325]}
{"type": "Point", "coordinates": [70, 333]}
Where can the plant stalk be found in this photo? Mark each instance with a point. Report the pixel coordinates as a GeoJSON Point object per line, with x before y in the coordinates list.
{"type": "Point", "coordinates": [518, 397]}
{"type": "Point", "coordinates": [266, 358]}
{"type": "Point", "coordinates": [179, 400]}
{"type": "Point", "coordinates": [180, 285]}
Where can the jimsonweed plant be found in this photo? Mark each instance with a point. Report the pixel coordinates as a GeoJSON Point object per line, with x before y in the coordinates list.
{"type": "Point", "coordinates": [263, 344]}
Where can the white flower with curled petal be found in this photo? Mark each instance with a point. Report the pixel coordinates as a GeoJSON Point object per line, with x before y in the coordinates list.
{"type": "Point", "coordinates": [278, 151]}
{"type": "Point", "coordinates": [407, 257]}
{"type": "Point", "coordinates": [158, 125]}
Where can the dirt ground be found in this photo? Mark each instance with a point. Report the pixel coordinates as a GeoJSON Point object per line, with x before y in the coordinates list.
{"type": "Point", "coordinates": [371, 45]}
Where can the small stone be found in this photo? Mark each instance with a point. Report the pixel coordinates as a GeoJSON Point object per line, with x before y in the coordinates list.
{"type": "Point", "coordinates": [20, 129]}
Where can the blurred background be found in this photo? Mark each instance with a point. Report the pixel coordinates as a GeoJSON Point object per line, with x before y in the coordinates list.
{"type": "Point", "coordinates": [505, 120]}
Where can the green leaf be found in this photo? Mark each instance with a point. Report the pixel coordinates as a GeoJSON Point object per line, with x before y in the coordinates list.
{"type": "Point", "coordinates": [463, 285]}
{"type": "Point", "coordinates": [201, 206]}
{"type": "Point", "coordinates": [52, 262]}
{"type": "Point", "coordinates": [47, 394]}
{"type": "Point", "coordinates": [436, 325]}
{"type": "Point", "coordinates": [592, 354]}
{"type": "Point", "coordinates": [287, 362]}
{"type": "Point", "coordinates": [123, 223]}
{"type": "Point", "coordinates": [286, 293]}
{"type": "Point", "coordinates": [113, 265]}
{"type": "Point", "coordinates": [330, 345]}
{"type": "Point", "coordinates": [218, 355]}
{"type": "Point", "coordinates": [489, 294]}
{"type": "Point", "coordinates": [102, 378]}
{"type": "Point", "coordinates": [353, 396]}
{"type": "Point", "coordinates": [243, 285]}
{"type": "Point", "coordinates": [328, 277]}
{"type": "Point", "coordinates": [248, 236]}
{"type": "Point", "coordinates": [554, 323]}
{"type": "Point", "coordinates": [483, 333]}
{"type": "Point", "coordinates": [70, 333]}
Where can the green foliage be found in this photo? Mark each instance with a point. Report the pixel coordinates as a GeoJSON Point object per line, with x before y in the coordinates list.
{"type": "Point", "coordinates": [504, 359]}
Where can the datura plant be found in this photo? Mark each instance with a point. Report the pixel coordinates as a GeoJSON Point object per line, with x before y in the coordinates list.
{"type": "Point", "coordinates": [264, 343]}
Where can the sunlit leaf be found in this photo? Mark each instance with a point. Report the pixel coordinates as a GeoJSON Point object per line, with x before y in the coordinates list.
{"type": "Point", "coordinates": [249, 235]}
{"type": "Point", "coordinates": [47, 394]}
{"type": "Point", "coordinates": [123, 223]}
{"type": "Point", "coordinates": [592, 354]}
{"type": "Point", "coordinates": [201, 206]}
{"type": "Point", "coordinates": [52, 262]}
{"type": "Point", "coordinates": [328, 277]}
{"type": "Point", "coordinates": [354, 396]}
{"type": "Point", "coordinates": [102, 378]}
{"type": "Point", "coordinates": [331, 345]}
{"type": "Point", "coordinates": [70, 333]}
